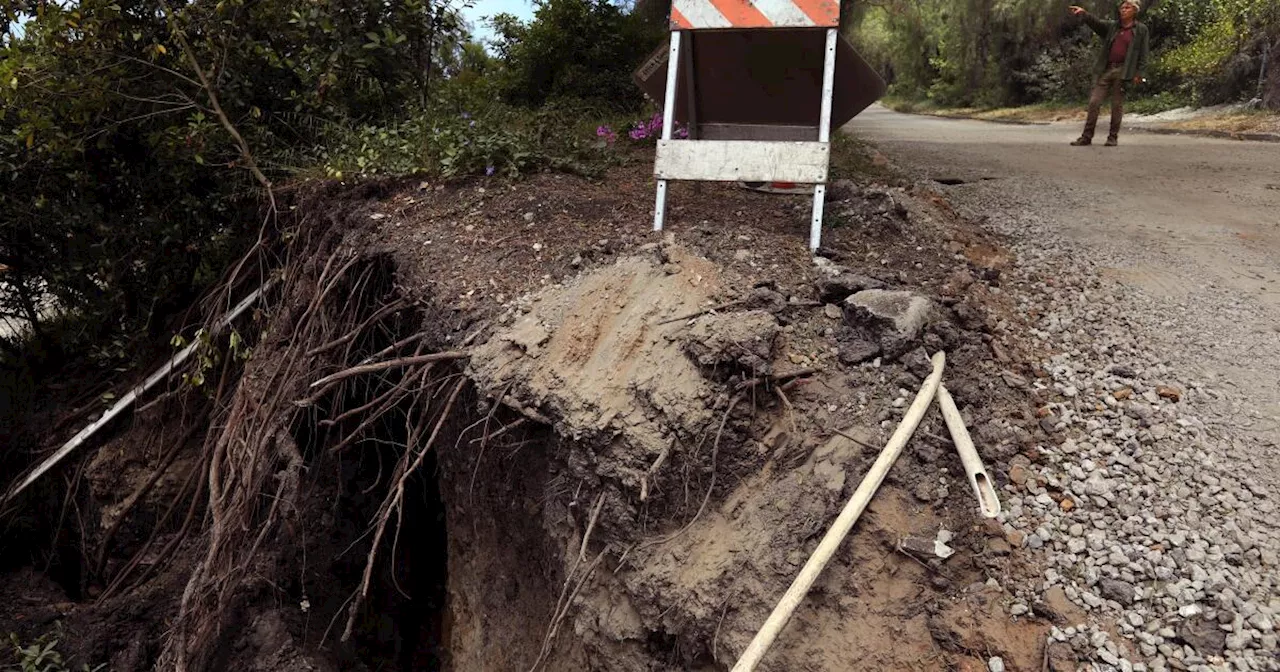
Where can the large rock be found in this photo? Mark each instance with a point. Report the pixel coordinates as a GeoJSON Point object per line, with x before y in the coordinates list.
{"type": "Point", "coordinates": [893, 318]}
{"type": "Point", "coordinates": [1119, 591]}
{"type": "Point", "coordinates": [840, 287]}
{"type": "Point", "coordinates": [1203, 635]}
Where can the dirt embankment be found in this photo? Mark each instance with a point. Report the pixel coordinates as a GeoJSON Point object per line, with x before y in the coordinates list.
{"type": "Point", "coordinates": [574, 445]}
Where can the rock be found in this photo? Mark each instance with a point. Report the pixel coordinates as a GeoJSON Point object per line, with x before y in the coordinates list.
{"type": "Point", "coordinates": [1203, 635]}
{"type": "Point", "coordinates": [894, 318]}
{"type": "Point", "coordinates": [1018, 610]}
{"type": "Point", "coordinates": [743, 339]}
{"type": "Point", "coordinates": [1061, 658]}
{"type": "Point", "coordinates": [926, 548]}
{"type": "Point", "coordinates": [1116, 590]}
{"type": "Point", "coordinates": [1018, 474]}
{"type": "Point", "coordinates": [1171, 393]}
{"type": "Point", "coordinates": [1056, 606]}
{"type": "Point", "coordinates": [1261, 622]}
{"type": "Point", "coordinates": [853, 349]}
{"type": "Point", "coordinates": [832, 311]}
{"type": "Point", "coordinates": [918, 363]}
{"type": "Point", "coordinates": [996, 664]}
{"type": "Point", "coordinates": [1066, 504]}
{"type": "Point", "coordinates": [837, 289]}
{"type": "Point", "coordinates": [998, 547]}
{"type": "Point", "coordinates": [1014, 380]}
{"type": "Point", "coordinates": [1123, 393]}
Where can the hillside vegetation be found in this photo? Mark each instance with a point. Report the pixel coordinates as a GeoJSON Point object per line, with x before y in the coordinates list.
{"type": "Point", "coordinates": [999, 53]}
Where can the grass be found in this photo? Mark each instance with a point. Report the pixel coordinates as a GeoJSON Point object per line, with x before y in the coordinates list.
{"type": "Point", "coordinates": [853, 158]}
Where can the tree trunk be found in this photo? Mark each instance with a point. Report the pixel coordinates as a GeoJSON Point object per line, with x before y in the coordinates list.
{"type": "Point", "coordinates": [1271, 88]}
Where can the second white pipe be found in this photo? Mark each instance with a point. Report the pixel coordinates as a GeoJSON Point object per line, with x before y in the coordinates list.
{"type": "Point", "coordinates": [981, 483]}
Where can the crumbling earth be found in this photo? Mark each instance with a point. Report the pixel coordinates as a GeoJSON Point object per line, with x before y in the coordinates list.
{"type": "Point", "coordinates": [621, 450]}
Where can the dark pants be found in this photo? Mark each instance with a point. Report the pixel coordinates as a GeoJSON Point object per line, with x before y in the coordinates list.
{"type": "Point", "coordinates": [1111, 81]}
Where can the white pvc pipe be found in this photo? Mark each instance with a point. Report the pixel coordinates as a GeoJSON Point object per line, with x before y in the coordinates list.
{"type": "Point", "coordinates": [981, 483]}
{"type": "Point", "coordinates": [840, 529]}
{"type": "Point", "coordinates": [125, 402]}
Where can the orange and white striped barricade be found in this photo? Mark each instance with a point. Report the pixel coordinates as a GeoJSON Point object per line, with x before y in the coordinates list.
{"type": "Point", "coordinates": [749, 160]}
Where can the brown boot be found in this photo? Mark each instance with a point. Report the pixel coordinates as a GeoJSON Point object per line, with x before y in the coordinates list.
{"type": "Point", "coordinates": [1111, 142]}
{"type": "Point", "coordinates": [1081, 142]}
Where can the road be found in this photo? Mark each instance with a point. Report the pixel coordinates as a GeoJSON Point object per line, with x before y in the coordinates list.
{"type": "Point", "coordinates": [1189, 227]}
{"type": "Point", "coordinates": [1203, 205]}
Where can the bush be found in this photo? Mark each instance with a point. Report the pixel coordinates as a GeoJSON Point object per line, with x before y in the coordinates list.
{"type": "Point", "coordinates": [578, 50]}
{"type": "Point", "coordinates": [1061, 73]}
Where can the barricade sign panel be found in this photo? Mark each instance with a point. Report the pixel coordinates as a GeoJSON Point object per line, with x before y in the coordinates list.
{"type": "Point", "coordinates": [759, 84]}
{"type": "Point", "coordinates": [726, 14]}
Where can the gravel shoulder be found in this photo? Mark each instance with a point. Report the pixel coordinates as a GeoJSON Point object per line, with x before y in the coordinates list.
{"type": "Point", "coordinates": [1150, 273]}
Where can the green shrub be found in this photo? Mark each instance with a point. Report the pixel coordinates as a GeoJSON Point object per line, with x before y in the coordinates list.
{"type": "Point", "coordinates": [41, 656]}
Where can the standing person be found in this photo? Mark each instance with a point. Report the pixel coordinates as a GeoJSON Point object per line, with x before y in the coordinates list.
{"type": "Point", "coordinates": [1123, 58]}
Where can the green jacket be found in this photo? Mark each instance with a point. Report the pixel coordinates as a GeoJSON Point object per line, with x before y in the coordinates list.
{"type": "Point", "coordinates": [1135, 62]}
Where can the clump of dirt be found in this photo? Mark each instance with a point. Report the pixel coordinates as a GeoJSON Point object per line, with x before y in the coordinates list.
{"type": "Point", "coordinates": [497, 426]}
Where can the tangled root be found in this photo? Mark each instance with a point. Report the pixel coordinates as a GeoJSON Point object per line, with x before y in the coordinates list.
{"type": "Point", "coordinates": [332, 308]}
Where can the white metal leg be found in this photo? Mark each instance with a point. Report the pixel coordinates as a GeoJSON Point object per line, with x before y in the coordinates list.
{"type": "Point", "coordinates": [828, 85]}
{"type": "Point", "coordinates": [815, 227]}
{"type": "Point", "coordinates": [824, 133]}
{"type": "Point", "coordinates": [668, 120]}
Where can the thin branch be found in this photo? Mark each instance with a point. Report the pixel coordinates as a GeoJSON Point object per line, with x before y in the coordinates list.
{"type": "Point", "coordinates": [212, 93]}
{"type": "Point", "coordinates": [390, 364]}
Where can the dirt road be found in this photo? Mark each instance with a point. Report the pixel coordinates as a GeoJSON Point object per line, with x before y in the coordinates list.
{"type": "Point", "coordinates": [1151, 274]}
{"type": "Point", "coordinates": [1193, 210]}
{"type": "Point", "coordinates": [1191, 224]}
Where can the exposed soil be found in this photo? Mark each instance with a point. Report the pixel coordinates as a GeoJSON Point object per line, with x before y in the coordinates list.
{"type": "Point", "coordinates": [616, 481]}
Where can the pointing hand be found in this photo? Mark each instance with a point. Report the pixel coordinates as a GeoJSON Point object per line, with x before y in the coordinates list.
{"type": "Point", "coordinates": [1077, 10]}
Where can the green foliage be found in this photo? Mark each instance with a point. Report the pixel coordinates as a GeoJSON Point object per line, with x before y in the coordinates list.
{"type": "Point", "coordinates": [988, 53]}
{"type": "Point", "coordinates": [494, 139]}
{"type": "Point", "coordinates": [121, 194]}
{"type": "Point", "coordinates": [575, 49]}
{"type": "Point", "coordinates": [41, 656]}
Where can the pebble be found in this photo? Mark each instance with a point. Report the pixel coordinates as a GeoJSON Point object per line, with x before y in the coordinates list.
{"type": "Point", "coordinates": [996, 664]}
{"type": "Point", "coordinates": [1160, 483]}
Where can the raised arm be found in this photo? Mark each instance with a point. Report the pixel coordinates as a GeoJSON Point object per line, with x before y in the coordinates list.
{"type": "Point", "coordinates": [1098, 25]}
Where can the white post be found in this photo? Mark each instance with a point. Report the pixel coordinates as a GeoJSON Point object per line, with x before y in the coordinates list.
{"type": "Point", "coordinates": [824, 134]}
{"type": "Point", "coordinates": [668, 114]}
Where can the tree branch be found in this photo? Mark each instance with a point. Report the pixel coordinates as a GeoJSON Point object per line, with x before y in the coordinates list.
{"type": "Point", "coordinates": [245, 153]}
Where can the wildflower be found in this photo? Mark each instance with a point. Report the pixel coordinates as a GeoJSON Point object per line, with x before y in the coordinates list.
{"type": "Point", "coordinates": [466, 115]}
{"type": "Point", "coordinates": [488, 171]}
{"type": "Point", "coordinates": [606, 133]}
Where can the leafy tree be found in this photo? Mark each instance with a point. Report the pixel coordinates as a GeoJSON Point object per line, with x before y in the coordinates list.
{"type": "Point", "coordinates": [575, 49]}
{"type": "Point", "coordinates": [122, 193]}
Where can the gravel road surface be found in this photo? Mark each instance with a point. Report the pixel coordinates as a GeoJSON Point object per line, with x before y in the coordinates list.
{"type": "Point", "coordinates": [1152, 271]}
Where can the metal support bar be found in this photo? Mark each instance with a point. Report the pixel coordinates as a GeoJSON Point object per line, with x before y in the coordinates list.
{"type": "Point", "coordinates": [668, 119]}
{"type": "Point", "coordinates": [824, 133]}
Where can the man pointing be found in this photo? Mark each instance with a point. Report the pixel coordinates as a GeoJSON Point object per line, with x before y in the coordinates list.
{"type": "Point", "coordinates": [1123, 58]}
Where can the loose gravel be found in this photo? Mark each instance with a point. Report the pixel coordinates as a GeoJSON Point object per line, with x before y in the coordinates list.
{"type": "Point", "coordinates": [1154, 498]}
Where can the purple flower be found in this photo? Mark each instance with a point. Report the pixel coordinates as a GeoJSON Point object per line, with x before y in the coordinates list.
{"type": "Point", "coordinates": [606, 133]}
{"type": "Point", "coordinates": [466, 115]}
{"type": "Point", "coordinates": [488, 171]}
